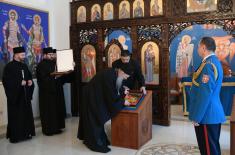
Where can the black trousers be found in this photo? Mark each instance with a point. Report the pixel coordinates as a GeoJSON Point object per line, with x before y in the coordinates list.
{"type": "Point", "coordinates": [208, 138]}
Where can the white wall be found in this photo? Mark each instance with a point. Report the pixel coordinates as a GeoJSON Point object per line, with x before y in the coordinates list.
{"type": "Point", "coordinates": [59, 22]}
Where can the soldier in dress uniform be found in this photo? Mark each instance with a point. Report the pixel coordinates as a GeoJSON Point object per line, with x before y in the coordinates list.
{"type": "Point", "coordinates": [206, 111]}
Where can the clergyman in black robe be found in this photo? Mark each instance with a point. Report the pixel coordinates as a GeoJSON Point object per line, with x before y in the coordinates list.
{"type": "Point", "coordinates": [51, 95]}
{"type": "Point", "coordinates": [132, 68]}
{"type": "Point", "coordinates": [18, 85]}
{"type": "Point", "coordinates": [102, 99]}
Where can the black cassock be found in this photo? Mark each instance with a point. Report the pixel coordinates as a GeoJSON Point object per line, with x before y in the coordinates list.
{"type": "Point", "coordinates": [51, 98]}
{"type": "Point", "coordinates": [20, 116]}
{"type": "Point", "coordinates": [133, 69]}
{"type": "Point", "coordinates": [100, 102]}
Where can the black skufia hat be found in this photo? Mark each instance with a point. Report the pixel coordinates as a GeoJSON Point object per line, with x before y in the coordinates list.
{"type": "Point", "coordinates": [47, 50]}
{"type": "Point", "coordinates": [125, 53]}
{"type": "Point", "coordinates": [54, 50]}
{"type": "Point", "coordinates": [18, 50]}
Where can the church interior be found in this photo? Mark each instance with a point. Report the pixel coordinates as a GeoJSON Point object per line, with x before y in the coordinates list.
{"type": "Point", "coordinates": [162, 36]}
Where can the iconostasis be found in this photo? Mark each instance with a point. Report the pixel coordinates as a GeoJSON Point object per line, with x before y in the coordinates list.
{"type": "Point", "coordinates": [158, 33]}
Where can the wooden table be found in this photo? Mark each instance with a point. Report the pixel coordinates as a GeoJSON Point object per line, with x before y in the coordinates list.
{"type": "Point", "coordinates": [232, 129]}
{"type": "Point", "coordinates": [133, 128]}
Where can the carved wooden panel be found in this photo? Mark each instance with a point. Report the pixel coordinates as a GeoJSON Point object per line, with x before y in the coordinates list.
{"type": "Point", "coordinates": [149, 32]}
{"type": "Point", "coordinates": [225, 6]}
{"type": "Point", "coordinates": [88, 36]}
{"type": "Point", "coordinates": [178, 7]}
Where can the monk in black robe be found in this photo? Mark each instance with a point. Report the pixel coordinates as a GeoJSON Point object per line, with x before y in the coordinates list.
{"type": "Point", "coordinates": [102, 99]}
{"type": "Point", "coordinates": [51, 95]}
{"type": "Point", "coordinates": [18, 85]}
{"type": "Point", "coordinates": [132, 68]}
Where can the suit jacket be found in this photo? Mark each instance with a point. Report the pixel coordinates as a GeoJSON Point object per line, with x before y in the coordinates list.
{"type": "Point", "coordinates": [205, 105]}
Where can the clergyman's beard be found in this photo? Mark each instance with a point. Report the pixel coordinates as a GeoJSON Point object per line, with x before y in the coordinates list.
{"type": "Point", "coordinates": [119, 83]}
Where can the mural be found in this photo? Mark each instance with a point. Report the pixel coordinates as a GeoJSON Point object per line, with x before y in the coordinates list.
{"type": "Point", "coordinates": [108, 11]}
{"type": "Point", "coordinates": [156, 8]}
{"type": "Point", "coordinates": [88, 63]}
{"type": "Point", "coordinates": [95, 13]}
{"type": "Point", "coordinates": [114, 53]}
{"type": "Point", "coordinates": [201, 5]}
{"type": "Point", "coordinates": [26, 27]}
{"type": "Point", "coordinates": [123, 38]}
{"type": "Point", "coordinates": [150, 62]}
{"type": "Point", "coordinates": [124, 10]}
{"type": "Point", "coordinates": [138, 10]}
{"type": "Point", "coordinates": [81, 14]}
{"type": "Point", "coordinates": [184, 57]}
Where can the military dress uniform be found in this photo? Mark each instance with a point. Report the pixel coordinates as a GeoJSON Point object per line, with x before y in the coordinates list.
{"type": "Point", "coordinates": [205, 105]}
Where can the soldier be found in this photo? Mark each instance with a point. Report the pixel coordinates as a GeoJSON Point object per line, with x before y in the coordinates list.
{"type": "Point", "coordinates": [206, 111]}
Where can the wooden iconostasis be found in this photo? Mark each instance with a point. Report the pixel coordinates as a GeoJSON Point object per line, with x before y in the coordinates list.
{"type": "Point", "coordinates": [101, 29]}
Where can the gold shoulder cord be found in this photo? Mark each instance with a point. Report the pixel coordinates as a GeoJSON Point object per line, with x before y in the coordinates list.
{"type": "Point", "coordinates": [198, 72]}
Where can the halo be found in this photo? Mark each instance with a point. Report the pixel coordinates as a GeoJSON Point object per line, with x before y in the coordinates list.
{"type": "Point", "coordinates": [13, 11]}
{"type": "Point", "coordinates": [189, 39]}
{"type": "Point", "coordinates": [36, 16]}
{"type": "Point", "coordinates": [122, 39]}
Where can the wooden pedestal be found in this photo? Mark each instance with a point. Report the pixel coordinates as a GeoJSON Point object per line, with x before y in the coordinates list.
{"type": "Point", "coordinates": [232, 129]}
{"type": "Point", "coordinates": [133, 128]}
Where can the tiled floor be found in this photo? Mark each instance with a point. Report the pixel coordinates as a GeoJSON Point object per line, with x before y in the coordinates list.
{"type": "Point", "coordinates": [180, 132]}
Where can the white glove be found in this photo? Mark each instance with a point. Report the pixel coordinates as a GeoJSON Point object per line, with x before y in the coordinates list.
{"type": "Point", "coordinates": [23, 83]}
{"type": "Point", "coordinates": [142, 89]}
{"type": "Point", "coordinates": [195, 123]}
{"type": "Point", "coordinates": [126, 92]}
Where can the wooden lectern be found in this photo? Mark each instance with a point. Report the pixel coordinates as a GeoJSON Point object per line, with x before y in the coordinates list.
{"type": "Point", "coordinates": [232, 129]}
{"type": "Point", "coordinates": [133, 128]}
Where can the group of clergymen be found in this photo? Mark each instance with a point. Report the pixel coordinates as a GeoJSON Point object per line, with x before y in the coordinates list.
{"type": "Point", "coordinates": [102, 97]}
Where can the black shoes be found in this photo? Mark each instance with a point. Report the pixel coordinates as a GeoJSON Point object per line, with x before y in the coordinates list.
{"type": "Point", "coordinates": [52, 133]}
{"type": "Point", "coordinates": [13, 141]}
{"type": "Point", "coordinates": [48, 134]}
{"type": "Point", "coordinates": [102, 149]}
{"type": "Point", "coordinates": [98, 147]}
{"type": "Point", "coordinates": [20, 140]}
